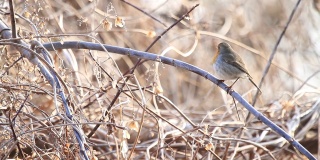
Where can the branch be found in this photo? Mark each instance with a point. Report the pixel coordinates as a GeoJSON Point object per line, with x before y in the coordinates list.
{"type": "Point", "coordinates": [13, 20]}
{"type": "Point", "coordinates": [183, 65]}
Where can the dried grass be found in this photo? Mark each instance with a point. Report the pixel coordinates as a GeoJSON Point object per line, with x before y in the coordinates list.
{"type": "Point", "coordinates": [144, 112]}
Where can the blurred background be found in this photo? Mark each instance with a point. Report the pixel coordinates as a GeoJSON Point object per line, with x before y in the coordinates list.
{"type": "Point", "coordinates": [251, 27]}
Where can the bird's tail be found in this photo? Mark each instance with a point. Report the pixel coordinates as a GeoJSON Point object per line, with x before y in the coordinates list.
{"type": "Point", "coordinates": [255, 85]}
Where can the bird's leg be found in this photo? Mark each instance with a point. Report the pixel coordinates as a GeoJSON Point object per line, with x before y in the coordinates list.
{"type": "Point", "coordinates": [230, 87]}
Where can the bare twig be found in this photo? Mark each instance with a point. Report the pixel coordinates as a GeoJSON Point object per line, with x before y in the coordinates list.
{"type": "Point", "coordinates": [144, 12]}
{"type": "Point", "coordinates": [266, 70]}
{"type": "Point", "coordinates": [12, 124]}
{"type": "Point", "coordinates": [13, 20]}
{"type": "Point", "coordinates": [7, 69]}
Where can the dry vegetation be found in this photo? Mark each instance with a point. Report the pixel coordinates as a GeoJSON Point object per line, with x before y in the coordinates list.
{"type": "Point", "coordinates": [143, 122]}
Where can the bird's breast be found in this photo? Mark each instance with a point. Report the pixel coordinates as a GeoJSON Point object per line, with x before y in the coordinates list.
{"type": "Point", "coordinates": [226, 71]}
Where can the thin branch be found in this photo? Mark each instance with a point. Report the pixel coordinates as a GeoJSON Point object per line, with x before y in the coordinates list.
{"type": "Point", "coordinates": [12, 123]}
{"type": "Point", "coordinates": [14, 118]}
{"type": "Point", "coordinates": [306, 81]}
{"type": "Point", "coordinates": [144, 12]}
{"type": "Point", "coordinates": [7, 69]}
{"type": "Point", "coordinates": [266, 70]}
{"type": "Point", "coordinates": [13, 20]}
{"type": "Point", "coordinates": [164, 32]}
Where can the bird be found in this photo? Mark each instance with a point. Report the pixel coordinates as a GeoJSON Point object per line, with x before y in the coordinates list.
{"type": "Point", "coordinates": [228, 65]}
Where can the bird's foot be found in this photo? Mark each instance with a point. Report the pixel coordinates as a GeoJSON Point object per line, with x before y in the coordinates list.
{"type": "Point", "coordinates": [229, 89]}
{"type": "Point", "coordinates": [220, 81]}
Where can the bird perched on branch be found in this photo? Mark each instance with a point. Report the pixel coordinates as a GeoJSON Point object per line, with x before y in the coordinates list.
{"type": "Point", "coordinates": [228, 65]}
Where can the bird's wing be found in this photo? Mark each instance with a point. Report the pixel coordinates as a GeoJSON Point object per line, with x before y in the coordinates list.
{"type": "Point", "coordinates": [239, 64]}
